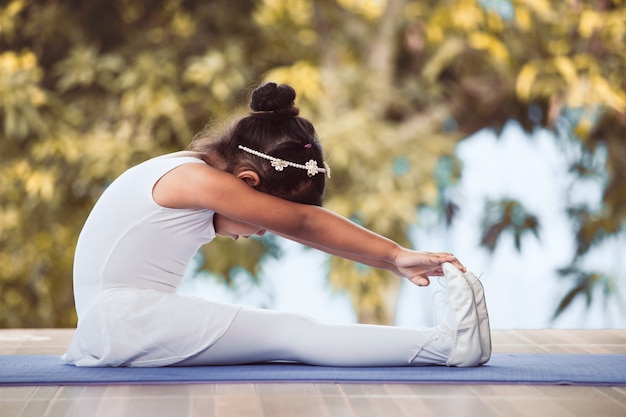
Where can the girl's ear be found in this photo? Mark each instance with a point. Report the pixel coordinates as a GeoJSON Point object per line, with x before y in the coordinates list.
{"type": "Point", "coordinates": [250, 177]}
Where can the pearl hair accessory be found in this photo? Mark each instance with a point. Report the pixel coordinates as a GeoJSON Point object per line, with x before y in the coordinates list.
{"type": "Point", "coordinates": [279, 164]}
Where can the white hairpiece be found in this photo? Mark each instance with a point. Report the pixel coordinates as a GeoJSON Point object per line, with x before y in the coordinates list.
{"type": "Point", "coordinates": [279, 164]}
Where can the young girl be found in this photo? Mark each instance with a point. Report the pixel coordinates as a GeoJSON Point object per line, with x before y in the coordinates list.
{"type": "Point", "coordinates": [266, 173]}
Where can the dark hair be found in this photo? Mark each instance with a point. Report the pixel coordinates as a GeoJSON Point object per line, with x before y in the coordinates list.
{"type": "Point", "coordinates": [274, 128]}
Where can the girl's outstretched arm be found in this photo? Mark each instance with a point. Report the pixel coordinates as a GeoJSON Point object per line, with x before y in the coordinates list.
{"type": "Point", "coordinates": [382, 264]}
{"type": "Point", "coordinates": [410, 264]}
{"type": "Point", "coordinates": [201, 186]}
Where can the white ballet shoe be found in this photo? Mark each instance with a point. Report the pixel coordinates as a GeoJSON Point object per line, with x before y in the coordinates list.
{"type": "Point", "coordinates": [483, 317]}
{"type": "Point", "coordinates": [466, 349]}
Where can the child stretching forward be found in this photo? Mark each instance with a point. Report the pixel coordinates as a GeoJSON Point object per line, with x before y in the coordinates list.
{"type": "Point", "coordinates": [266, 173]}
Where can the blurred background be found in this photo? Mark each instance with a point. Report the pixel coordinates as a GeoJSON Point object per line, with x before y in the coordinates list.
{"type": "Point", "coordinates": [494, 129]}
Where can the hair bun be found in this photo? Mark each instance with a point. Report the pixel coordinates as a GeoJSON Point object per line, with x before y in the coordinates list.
{"type": "Point", "coordinates": [271, 97]}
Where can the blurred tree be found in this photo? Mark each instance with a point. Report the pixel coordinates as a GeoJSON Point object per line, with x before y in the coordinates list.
{"type": "Point", "coordinates": [89, 88]}
{"type": "Point", "coordinates": [507, 215]}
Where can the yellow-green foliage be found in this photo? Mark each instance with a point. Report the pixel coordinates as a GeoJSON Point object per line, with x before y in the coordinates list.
{"type": "Point", "coordinates": [89, 88]}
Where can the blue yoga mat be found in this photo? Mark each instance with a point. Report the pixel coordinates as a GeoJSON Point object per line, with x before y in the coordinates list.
{"type": "Point", "coordinates": [541, 369]}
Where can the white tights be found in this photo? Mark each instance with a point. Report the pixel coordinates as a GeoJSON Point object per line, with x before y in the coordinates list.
{"type": "Point", "coordinates": [265, 335]}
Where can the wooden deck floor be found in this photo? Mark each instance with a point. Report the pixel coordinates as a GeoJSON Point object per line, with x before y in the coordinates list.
{"type": "Point", "coordinates": [324, 400]}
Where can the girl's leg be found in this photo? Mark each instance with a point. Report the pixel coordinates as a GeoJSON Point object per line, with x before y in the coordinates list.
{"type": "Point", "coordinates": [264, 335]}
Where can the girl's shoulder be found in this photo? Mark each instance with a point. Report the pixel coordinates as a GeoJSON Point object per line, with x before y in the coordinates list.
{"type": "Point", "coordinates": [162, 164]}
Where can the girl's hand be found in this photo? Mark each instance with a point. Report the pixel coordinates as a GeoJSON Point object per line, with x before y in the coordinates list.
{"type": "Point", "coordinates": [418, 266]}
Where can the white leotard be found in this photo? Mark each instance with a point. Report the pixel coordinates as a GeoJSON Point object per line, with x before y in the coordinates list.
{"type": "Point", "coordinates": [131, 256]}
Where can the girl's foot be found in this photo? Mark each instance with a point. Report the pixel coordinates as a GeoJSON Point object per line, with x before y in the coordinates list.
{"type": "Point", "coordinates": [483, 317]}
{"type": "Point", "coordinates": [466, 348]}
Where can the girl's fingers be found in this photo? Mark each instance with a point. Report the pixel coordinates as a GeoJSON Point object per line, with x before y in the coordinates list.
{"type": "Point", "coordinates": [459, 265]}
{"type": "Point", "coordinates": [454, 261]}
